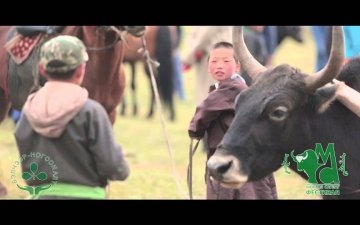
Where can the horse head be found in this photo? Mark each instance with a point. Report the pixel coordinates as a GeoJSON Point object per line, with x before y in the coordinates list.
{"type": "Point", "coordinates": [136, 31]}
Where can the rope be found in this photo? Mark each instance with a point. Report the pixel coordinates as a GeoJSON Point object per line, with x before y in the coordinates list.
{"type": "Point", "coordinates": [189, 170]}
{"type": "Point", "coordinates": [158, 103]}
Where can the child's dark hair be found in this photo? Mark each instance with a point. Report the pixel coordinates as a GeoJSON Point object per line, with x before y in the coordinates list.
{"type": "Point", "coordinates": [225, 44]}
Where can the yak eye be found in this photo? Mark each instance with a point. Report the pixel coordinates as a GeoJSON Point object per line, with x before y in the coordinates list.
{"type": "Point", "coordinates": [279, 113]}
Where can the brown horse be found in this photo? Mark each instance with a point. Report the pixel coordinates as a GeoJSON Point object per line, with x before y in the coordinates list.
{"type": "Point", "coordinates": [104, 78]}
{"type": "Point", "coordinates": [160, 41]}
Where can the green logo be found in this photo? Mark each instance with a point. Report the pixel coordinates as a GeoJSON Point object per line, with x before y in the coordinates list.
{"type": "Point", "coordinates": [320, 167]}
{"type": "Point", "coordinates": [32, 174]}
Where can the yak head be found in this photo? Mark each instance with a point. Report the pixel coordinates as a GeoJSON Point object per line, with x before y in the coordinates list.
{"type": "Point", "coordinates": [273, 115]}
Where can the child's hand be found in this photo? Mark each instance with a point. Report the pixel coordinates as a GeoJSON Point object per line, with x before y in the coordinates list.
{"type": "Point", "coordinates": [340, 85]}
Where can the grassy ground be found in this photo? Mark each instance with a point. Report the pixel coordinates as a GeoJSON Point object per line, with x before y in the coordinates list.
{"type": "Point", "coordinates": [152, 176]}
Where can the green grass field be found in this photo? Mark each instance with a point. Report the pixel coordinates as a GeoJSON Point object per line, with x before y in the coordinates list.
{"type": "Point", "coordinates": [143, 141]}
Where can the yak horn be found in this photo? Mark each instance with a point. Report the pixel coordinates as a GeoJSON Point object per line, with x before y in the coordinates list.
{"type": "Point", "coordinates": [252, 67]}
{"type": "Point", "coordinates": [334, 64]}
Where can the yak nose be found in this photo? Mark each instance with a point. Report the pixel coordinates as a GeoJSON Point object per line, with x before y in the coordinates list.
{"type": "Point", "coordinates": [218, 166]}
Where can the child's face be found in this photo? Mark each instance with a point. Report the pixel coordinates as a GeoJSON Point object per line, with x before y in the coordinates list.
{"type": "Point", "coordinates": [222, 64]}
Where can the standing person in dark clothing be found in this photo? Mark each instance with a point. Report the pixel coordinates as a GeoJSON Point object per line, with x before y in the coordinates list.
{"type": "Point", "coordinates": [270, 34]}
{"type": "Point", "coordinates": [214, 115]}
{"type": "Point", "coordinates": [321, 36]}
{"type": "Point", "coordinates": [60, 123]}
{"type": "Point", "coordinates": [178, 76]}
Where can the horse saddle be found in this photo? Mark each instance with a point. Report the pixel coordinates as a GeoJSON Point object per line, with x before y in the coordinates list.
{"type": "Point", "coordinates": [29, 31]}
{"type": "Point", "coordinates": [22, 66]}
{"type": "Point", "coordinates": [20, 47]}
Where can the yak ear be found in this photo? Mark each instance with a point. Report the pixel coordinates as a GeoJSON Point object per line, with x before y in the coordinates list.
{"type": "Point", "coordinates": [323, 97]}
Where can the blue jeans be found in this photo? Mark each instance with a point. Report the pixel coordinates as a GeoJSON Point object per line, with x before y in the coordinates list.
{"type": "Point", "coordinates": [15, 115]}
{"type": "Point", "coordinates": [271, 38]}
{"type": "Point", "coordinates": [178, 77]}
{"type": "Point", "coordinates": [320, 35]}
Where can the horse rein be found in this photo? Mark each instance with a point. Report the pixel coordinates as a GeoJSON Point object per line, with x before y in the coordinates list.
{"type": "Point", "coordinates": [150, 62]}
{"type": "Point", "coordinates": [119, 37]}
{"type": "Point", "coordinates": [189, 170]}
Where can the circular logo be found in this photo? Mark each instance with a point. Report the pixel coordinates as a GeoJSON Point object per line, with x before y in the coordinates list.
{"type": "Point", "coordinates": [33, 174]}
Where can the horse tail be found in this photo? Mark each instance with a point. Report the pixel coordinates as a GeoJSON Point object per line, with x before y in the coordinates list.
{"type": "Point", "coordinates": [163, 54]}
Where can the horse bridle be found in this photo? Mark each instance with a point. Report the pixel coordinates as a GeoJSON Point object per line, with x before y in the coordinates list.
{"type": "Point", "coordinates": [121, 32]}
{"type": "Point", "coordinates": [119, 37]}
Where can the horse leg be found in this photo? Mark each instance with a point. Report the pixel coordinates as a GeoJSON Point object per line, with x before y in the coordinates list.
{"type": "Point", "coordinates": [112, 116]}
{"type": "Point", "coordinates": [4, 105]}
{"type": "Point", "coordinates": [172, 110]}
{"type": "Point", "coordinates": [3, 191]}
{"type": "Point", "coordinates": [133, 92]}
{"type": "Point", "coordinates": [123, 107]}
{"type": "Point", "coordinates": [133, 88]}
{"type": "Point", "coordinates": [152, 101]}
{"type": "Point", "coordinates": [123, 104]}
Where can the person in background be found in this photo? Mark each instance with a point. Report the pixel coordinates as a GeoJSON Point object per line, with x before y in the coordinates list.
{"type": "Point", "coordinates": [178, 76]}
{"type": "Point", "coordinates": [270, 35]}
{"type": "Point", "coordinates": [352, 42]}
{"type": "Point", "coordinates": [321, 34]}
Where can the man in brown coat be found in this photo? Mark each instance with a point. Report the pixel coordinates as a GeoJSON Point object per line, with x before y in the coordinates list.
{"type": "Point", "coordinates": [214, 115]}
